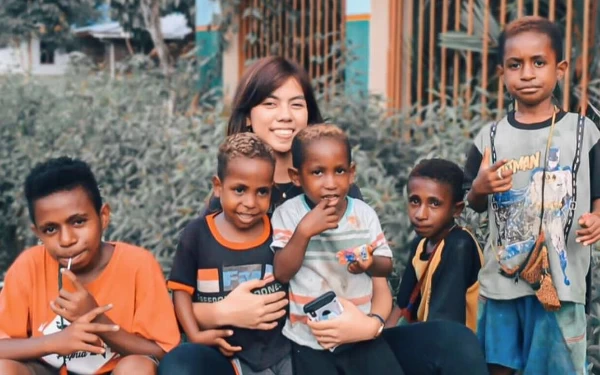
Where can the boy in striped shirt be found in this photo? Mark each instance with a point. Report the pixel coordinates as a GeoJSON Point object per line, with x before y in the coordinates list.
{"type": "Point", "coordinates": [308, 233]}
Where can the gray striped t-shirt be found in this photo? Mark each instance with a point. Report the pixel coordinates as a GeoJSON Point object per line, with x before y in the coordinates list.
{"type": "Point", "coordinates": [321, 271]}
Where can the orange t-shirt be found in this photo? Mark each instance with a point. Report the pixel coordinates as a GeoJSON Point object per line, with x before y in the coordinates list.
{"type": "Point", "coordinates": [132, 282]}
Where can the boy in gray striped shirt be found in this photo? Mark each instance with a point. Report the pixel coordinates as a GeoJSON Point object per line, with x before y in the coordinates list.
{"type": "Point", "coordinates": [309, 232]}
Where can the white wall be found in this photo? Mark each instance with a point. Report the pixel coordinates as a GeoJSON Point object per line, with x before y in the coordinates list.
{"type": "Point", "coordinates": [379, 46]}
{"type": "Point", "coordinates": [16, 60]}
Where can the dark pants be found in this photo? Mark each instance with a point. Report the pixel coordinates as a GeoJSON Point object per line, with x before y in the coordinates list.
{"type": "Point", "coordinates": [432, 348]}
{"type": "Point", "coordinates": [195, 359]}
{"type": "Point", "coordinates": [372, 357]}
{"type": "Point", "coordinates": [436, 348]}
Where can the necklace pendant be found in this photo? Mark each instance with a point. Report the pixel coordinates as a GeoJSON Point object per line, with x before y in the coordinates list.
{"type": "Point", "coordinates": [284, 195]}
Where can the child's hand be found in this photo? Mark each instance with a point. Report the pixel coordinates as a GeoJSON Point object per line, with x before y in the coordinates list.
{"type": "Point", "coordinates": [318, 220]}
{"type": "Point", "coordinates": [83, 335]}
{"type": "Point", "coordinates": [73, 305]}
{"type": "Point", "coordinates": [360, 265]}
{"type": "Point", "coordinates": [590, 232]}
{"type": "Point", "coordinates": [216, 337]}
{"type": "Point", "coordinates": [490, 178]}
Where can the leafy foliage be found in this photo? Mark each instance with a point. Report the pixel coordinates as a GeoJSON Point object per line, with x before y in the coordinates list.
{"type": "Point", "coordinates": [154, 168]}
{"type": "Point", "coordinates": [50, 20]}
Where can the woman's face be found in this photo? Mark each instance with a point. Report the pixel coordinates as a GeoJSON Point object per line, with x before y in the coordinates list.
{"type": "Point", "coordinates": [280, 116]}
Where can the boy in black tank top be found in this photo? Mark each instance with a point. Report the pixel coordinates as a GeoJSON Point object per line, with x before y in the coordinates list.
{"type": "Point", "coordinates": [222, 275]}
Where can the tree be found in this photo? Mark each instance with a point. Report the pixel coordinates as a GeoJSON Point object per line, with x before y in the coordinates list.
{"type": "Point", "coordinates": [136, 15]}
{"type": "Point", "coordinates": [48, 20]}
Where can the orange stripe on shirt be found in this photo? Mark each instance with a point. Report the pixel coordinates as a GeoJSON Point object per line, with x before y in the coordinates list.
{"type": "Point", "coordinates": [297, 318]}
{"type": "Point", "coordinates": [303, 300]}
{"type": "Point", "coordinates": [378, 239]}
{"type": "Point", "coordinates": [285, 232]}
{"type": "Point", "coordinates": [209, 274]}
{"type": "Point", "coordinates": [235, 368]}
{"type": "Point", "coordinates": [173, 285]}
{"type": "Point", "coordinates": [361, 300]}
{"type": "Point", "coordinates": [571, 340]}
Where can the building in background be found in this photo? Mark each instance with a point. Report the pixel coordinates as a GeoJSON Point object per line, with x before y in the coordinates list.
{"type": "Point", "coordinates": [34, 56]}
{"type": "Point", "coordinates": [418, 54]}
{"type": "Point", "coordinates": [312, 33]}
{"type": "Point", "coordinates": [104, 41]}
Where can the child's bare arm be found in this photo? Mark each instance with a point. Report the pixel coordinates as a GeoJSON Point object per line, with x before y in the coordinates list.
{"type": "Point", "coordinates": [126, 343]}
{"type": "Point", "coordinates": [288, 260]}
{"type": "Point", "coordinates": [407, 284]}
{"type": "Point", "coordinates": [242, 308]}
{"type": "Point", "coordinates": [381, 302]}
{"type": "Point", "coordinates": [184, 309]}
{"type": "Point", "coordinates": [81, 335]}
{"type": "Point", "coordinates": [212, 337]}
{"type": "Point", "coordinates": [381, 267]}
{"type": "Point", "coordinates": [26, 349]}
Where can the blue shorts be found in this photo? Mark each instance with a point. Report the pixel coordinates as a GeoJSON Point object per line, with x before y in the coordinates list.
{"type": "Point", "coordinates": [521, 335]}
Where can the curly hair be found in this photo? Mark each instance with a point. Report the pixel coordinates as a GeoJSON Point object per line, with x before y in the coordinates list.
{"type": "Point", "coordinates": [302, 141]}
{"type": "Point", "coordinates": [242, 145]}
{"type": "Point", "coordinates": [535, 24]}
{"type": "Point", "coordinates": [443, 171]}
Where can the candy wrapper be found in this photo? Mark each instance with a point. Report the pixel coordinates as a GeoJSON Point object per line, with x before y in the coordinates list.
{"type": "Point", "coordinates": [348, 256]}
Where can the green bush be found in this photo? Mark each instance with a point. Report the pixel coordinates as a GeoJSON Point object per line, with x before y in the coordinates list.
{"type": "Point", "coordinates": [153, 168]}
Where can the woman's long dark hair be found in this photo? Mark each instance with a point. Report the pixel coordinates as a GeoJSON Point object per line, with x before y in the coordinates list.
{"type": "Point", "coordinates": [259, 81]}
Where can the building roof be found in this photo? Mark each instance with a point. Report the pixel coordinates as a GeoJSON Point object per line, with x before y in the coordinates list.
{"type": "Point", "coordinates": [173, 26]}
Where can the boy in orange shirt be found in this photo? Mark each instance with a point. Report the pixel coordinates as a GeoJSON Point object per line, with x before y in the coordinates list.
{"type": "Point", "coordinates": [75, 303]}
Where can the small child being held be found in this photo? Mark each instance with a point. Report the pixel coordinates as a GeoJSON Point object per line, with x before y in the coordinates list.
{"type": "Point", "coordinates": [309, 231]}
{"type": "Point", "coordinates": [77, 303]}
{"type": "Point", "coordinates": [440, 280]}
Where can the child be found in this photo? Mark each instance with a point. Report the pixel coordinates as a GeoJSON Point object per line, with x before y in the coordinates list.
{"type": "Point", "coordinates": [75, 302]}
{"type": "Point", "coordinates": [225, 255]}
{"type": "Point", "coordinates": [535, 172]}
{"type": "Point", "coordinates": [309, 231]}
{"type": "Point", "coordinates": [440, 281]}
